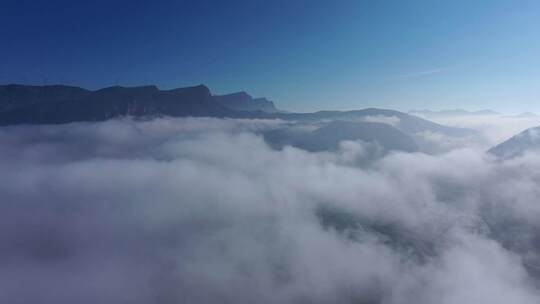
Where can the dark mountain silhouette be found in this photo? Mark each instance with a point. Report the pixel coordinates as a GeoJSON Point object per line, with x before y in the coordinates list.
{"type": "Point", "coordinates": [528, 140]}
{"type": "Point", "coordinates": [20, 104]}
{"type": "Point", "coordinates": [17, 96]}
{"type": "Point", "coordinates": [242, 101]}
{"type": "Point", "coordinates": [119, 101]}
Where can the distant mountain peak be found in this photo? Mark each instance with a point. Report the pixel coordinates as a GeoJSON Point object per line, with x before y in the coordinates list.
{"type": "Point", "coordinates": [242, 101]}
{"type": "Point", "coordinates": [328, 136]}
{"type": "Point", "coordinates": [452, 112]}
{"type": "Point", "coordinates": [239, 94]}
{"type": "Point", "coordinates": [197, 89]}
{"type": "Point", "coordinates": [524, 115]}
{"type": "Point", "coordinates": [528, 140]}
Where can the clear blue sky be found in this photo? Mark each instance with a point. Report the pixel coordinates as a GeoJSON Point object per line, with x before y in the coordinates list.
{"type": "Point", "coordinates": [305, 55]}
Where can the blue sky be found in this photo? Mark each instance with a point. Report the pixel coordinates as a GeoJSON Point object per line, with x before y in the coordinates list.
{"type": "Point", "coordinates": [305, 55]}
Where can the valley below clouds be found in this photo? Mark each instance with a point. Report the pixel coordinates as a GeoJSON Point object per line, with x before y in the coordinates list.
{"type": "Point", "coordinates": [204, 210]}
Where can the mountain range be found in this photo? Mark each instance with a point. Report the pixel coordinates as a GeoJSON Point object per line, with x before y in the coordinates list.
{"type": "Point", "coordinates": [57, 104]}
{"type": "Point", "coordinates": [526, 141]}
{"type": "Point", "coordinates": [452, 113]}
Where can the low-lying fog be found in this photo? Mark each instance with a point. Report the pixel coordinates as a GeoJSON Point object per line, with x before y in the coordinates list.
{"type": "Point", "coordinates": [205, 211]}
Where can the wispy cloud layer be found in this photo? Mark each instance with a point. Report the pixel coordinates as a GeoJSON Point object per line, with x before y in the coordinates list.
{"type": "Point", "coordinates": [423, 73]}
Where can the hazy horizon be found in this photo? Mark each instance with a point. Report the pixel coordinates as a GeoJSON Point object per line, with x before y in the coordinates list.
{"type": "Point", "coordinates": [411, 110]}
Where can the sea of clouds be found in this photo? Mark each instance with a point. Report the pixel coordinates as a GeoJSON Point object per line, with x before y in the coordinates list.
{"type": "Point", "coordinates": [494, 128]}
{"type": "Point", "coordinates": [204, 211]}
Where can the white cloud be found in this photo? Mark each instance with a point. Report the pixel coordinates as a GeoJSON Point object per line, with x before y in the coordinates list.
{"type": "Point", "coordinates": [203, 211]}
{"type": "Point", "coordinates": [391, 120]}
{"type": "Point", "coordinates": [495, 128]}
{"type": "Point", "coordinates": [424, 73]}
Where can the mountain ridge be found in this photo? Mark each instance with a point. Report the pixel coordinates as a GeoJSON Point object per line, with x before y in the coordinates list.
{"type": "Point", "coordinates": [452, 112]}
{"type": "Point", "coordinates": [527, 140]}
{"type": "Point", "coordinates": [76, 105]}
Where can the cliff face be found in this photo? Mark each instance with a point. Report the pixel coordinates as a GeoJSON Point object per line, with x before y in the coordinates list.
{"type": "Point", "coordinates": [63, 105]}
{"type": "Point", "coordinates": [242, 101]}
{"type": "Point", "coordinates": [15, 96]}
